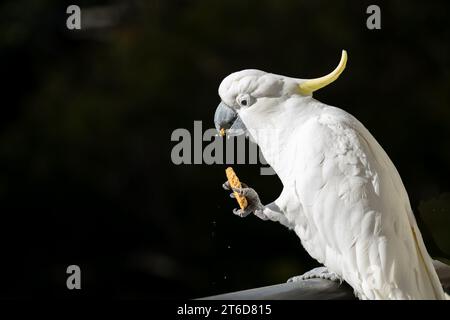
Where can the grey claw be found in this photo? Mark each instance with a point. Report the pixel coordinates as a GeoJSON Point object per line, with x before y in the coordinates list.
{"type": "Point", "coordinates": [226, 185]}
{"type": "Point", "coordinates": [246, 192]}
{"type": "Point", "coordinates": [320, 272]}
{"type": "Point", "coordinates": [240, 213]}
{"type": "Point", "coordinates": [239, 191]}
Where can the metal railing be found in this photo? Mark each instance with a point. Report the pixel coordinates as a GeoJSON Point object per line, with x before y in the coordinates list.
{"type": "Point", "coordinates": [313, 289]}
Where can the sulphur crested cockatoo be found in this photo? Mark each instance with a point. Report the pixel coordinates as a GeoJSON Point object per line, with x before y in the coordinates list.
{"type": "Point", "coordinates": [341, 195]}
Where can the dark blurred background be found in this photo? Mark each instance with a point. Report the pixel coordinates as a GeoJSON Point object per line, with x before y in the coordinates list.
{"type": "Point", "coordinates": [87, 117]}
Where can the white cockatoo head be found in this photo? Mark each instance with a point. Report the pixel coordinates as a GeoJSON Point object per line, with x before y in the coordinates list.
{"type": "Point", "coordinates": [255, 94]}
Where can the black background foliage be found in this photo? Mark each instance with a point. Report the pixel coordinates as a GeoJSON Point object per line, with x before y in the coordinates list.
{"type": "Point", "coordinates": [87, 116]}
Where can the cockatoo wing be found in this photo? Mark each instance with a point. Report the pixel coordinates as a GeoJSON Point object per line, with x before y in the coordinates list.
{"type": "Point", "coordinates": [356, 217]}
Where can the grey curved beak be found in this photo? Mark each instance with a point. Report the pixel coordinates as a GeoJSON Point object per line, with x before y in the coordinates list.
{"type": "Point", "coordinates": [228, 119]}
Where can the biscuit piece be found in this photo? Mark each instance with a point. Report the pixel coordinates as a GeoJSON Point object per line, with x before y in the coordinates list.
{"type": "Point", "coordinates": [235, 183]}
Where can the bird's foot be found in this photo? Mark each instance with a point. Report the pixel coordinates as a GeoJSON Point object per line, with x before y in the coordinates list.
{"type": "Point", "coordinates": [253, 202]}
{"type": "Point", "coordinates": [318, 273]}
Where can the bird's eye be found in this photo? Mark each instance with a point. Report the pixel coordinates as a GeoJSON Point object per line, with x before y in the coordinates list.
{"type": "Point", "coordinates": [244, 100]}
